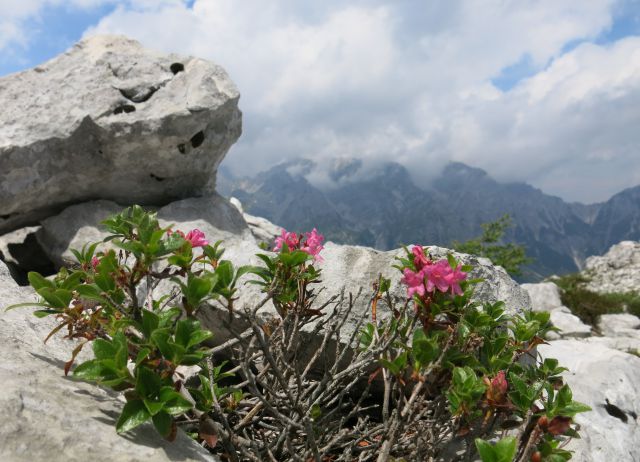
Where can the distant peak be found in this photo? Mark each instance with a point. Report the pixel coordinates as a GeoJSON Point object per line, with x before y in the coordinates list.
{"type": "Point", "coordinates": [460, 169]}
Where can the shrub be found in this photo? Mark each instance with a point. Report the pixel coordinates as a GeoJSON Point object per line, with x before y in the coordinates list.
{"type": "Point", "coordinates": [512, 257]}
{"type": "Point", "coordinates": [409, 379]}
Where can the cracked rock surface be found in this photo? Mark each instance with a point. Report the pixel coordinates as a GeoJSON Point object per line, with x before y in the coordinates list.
{"type": "Point", "coordinates": [109, 119]}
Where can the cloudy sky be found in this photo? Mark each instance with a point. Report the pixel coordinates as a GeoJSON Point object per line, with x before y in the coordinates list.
{"type": "Point", "coordinates": [543, 91]}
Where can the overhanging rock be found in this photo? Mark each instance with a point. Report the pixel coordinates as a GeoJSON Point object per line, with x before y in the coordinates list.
{"type": "Point", "coordinates": [111, 120]}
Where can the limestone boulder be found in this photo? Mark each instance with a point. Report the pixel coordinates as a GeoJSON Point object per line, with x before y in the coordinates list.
{"type": "Point", "coordinates": [545, 296]}
{"type": "Point", "coordinates": [619, 325]}
{"type": "Point", "coordinates": [569, 324]}
{"type": "Point", "coordinates": [109, 119]}
{"type": "Point", "coordinates": [47, 416]}
{"type": "Point", "coordinates": [606, 380]}
{"type": "Point", "coordinates": [616, 271]}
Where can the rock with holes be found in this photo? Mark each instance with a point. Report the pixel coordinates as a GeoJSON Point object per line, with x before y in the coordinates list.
{"type": "Point", "coordinates": [606, 380]}
{"type": "Point", "coordinates": [109, 119]}
{"type": "Point", "coordinates": [47, 416]}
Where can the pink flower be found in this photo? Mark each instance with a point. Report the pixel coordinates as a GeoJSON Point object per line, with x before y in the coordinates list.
{"type": "Point", "coordinates": [454, 278]}
{"type": "Point", "coordinates": [291, 239]}
{"type": "Point", "coordinates": [414, 281]}
{"type": "Point", "coordinates": [497, 388]}
{"type": "Point", "coordinates": [95, 262]}
{"type": "Point", "coordinates": [438, 276]}
{"type": "Point", "coordinates": [499, 383]}
{"type": "Point", "coordinates": [196, 237]}
{"type": "Point", "coordinates": [442, 277]}
{"type": "Point", "coordinates": [313, 244]}
{"type": "Point", "coordinates": [419, 258]}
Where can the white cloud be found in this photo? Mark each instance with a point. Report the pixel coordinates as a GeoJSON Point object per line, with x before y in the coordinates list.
{"type": "Point", "coordinates": [411, 81]}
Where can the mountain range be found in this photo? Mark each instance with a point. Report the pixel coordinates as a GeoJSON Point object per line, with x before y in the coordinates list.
{"type": "Point", "coordinates": [386, 209]}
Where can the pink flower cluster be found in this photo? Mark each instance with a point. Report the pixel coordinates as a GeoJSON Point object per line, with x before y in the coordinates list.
{"type": "Point", "coordinates": [311, 243]}
{"type": "Point", "coordinates": [429, 275]}
{"type": "Point", "coordinates": [195, 237]}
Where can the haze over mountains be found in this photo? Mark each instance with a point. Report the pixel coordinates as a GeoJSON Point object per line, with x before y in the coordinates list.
{"type": "Point", "coordinates": [385, 209]}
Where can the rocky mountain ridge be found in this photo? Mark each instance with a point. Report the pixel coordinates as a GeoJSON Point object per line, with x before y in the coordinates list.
{"type": "Point", "coordinates": [385, 209]}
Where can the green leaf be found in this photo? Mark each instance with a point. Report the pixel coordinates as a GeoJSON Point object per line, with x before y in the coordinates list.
{"type": "Point", "coordinates": [224, 271]}
{"type": "Point", "coordinates": [150, 322]}
{"type": "Point", "coordinates": [27, 305]}
{"type": "Point", "coordinates": [485, 450]}
{"type": "Point", "coordinates": [133, 414]}
{"type": "Point", "coordinates": [163, 423]}
{"type": "Point", "coordinates": [89, 370]}
{"type": "Point", "coordinates": [184, 328]}
{"type": "Point", "coordinates": [38, 281]}
{"type": "Point", "coordinates": [153, 406]}
{"type": "Point", "coordinates": [503, 451]}
{"type": "Point", "coordinates": [452, 261]}
{"type": "Point", "coordinates": [90, 292]}
{"type": "Point", "coordinates": [425, 350]}
{"type": "Point", "coordinates": [52, 298]}
{"type": "Point", "coordinates": [573, 408]}
{"type": "Point", "coordinates": [142, 355]}
{"type": "Point", "coordinates": [174, 402]}
{"type": "Point", "coordinates": [198, 337]}
{"type": "Point", "coordinates": [148, 383]}
{"type": "Point", "coordinates": [43, 313]}
{"type": "Point", "coordinates": [104, 349]}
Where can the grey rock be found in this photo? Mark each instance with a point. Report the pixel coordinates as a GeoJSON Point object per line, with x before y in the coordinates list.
{"type": "Point", "coordinates": [619, 325]}
{"type": "Point", "coordinates": [46, 416]}
{"type": "Point", "coordinates": [616, 271]}
{"type": "Point", "coordinates": [569, 324]}
{"type": "Point", "coordinates": [111, 120]}
{"type": "Point", "coordinates": [545, 296]}
{"type": "Point", "coordinates": [606, 380]}
{"type": "Point", "coordinates": [626, 344]}
{"type": "Point", "coordinates": [22, 253]}
{"type": "Point", "coordinates": [261, 228]}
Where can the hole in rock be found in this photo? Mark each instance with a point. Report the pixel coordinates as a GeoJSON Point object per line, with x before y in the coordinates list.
{"type": "Point", "coordinates": [26, 256]}
{"type": "Point", "coordinates": [182, 148]}
{"type": "Point", "coordinates": [7, 216]}
{"type": "Point", "coordinates": [615, 411]}
{"type": "Point", "coordinates": [138, 96]}
{"type": "Point", "coordinates": [176, 67]}
{"type": "Point", "coordinates": [155, 177]}
{"type": "Point", "coordinates": [126, 108]}
{"type": "Point", "coordinates": [197, 139]}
